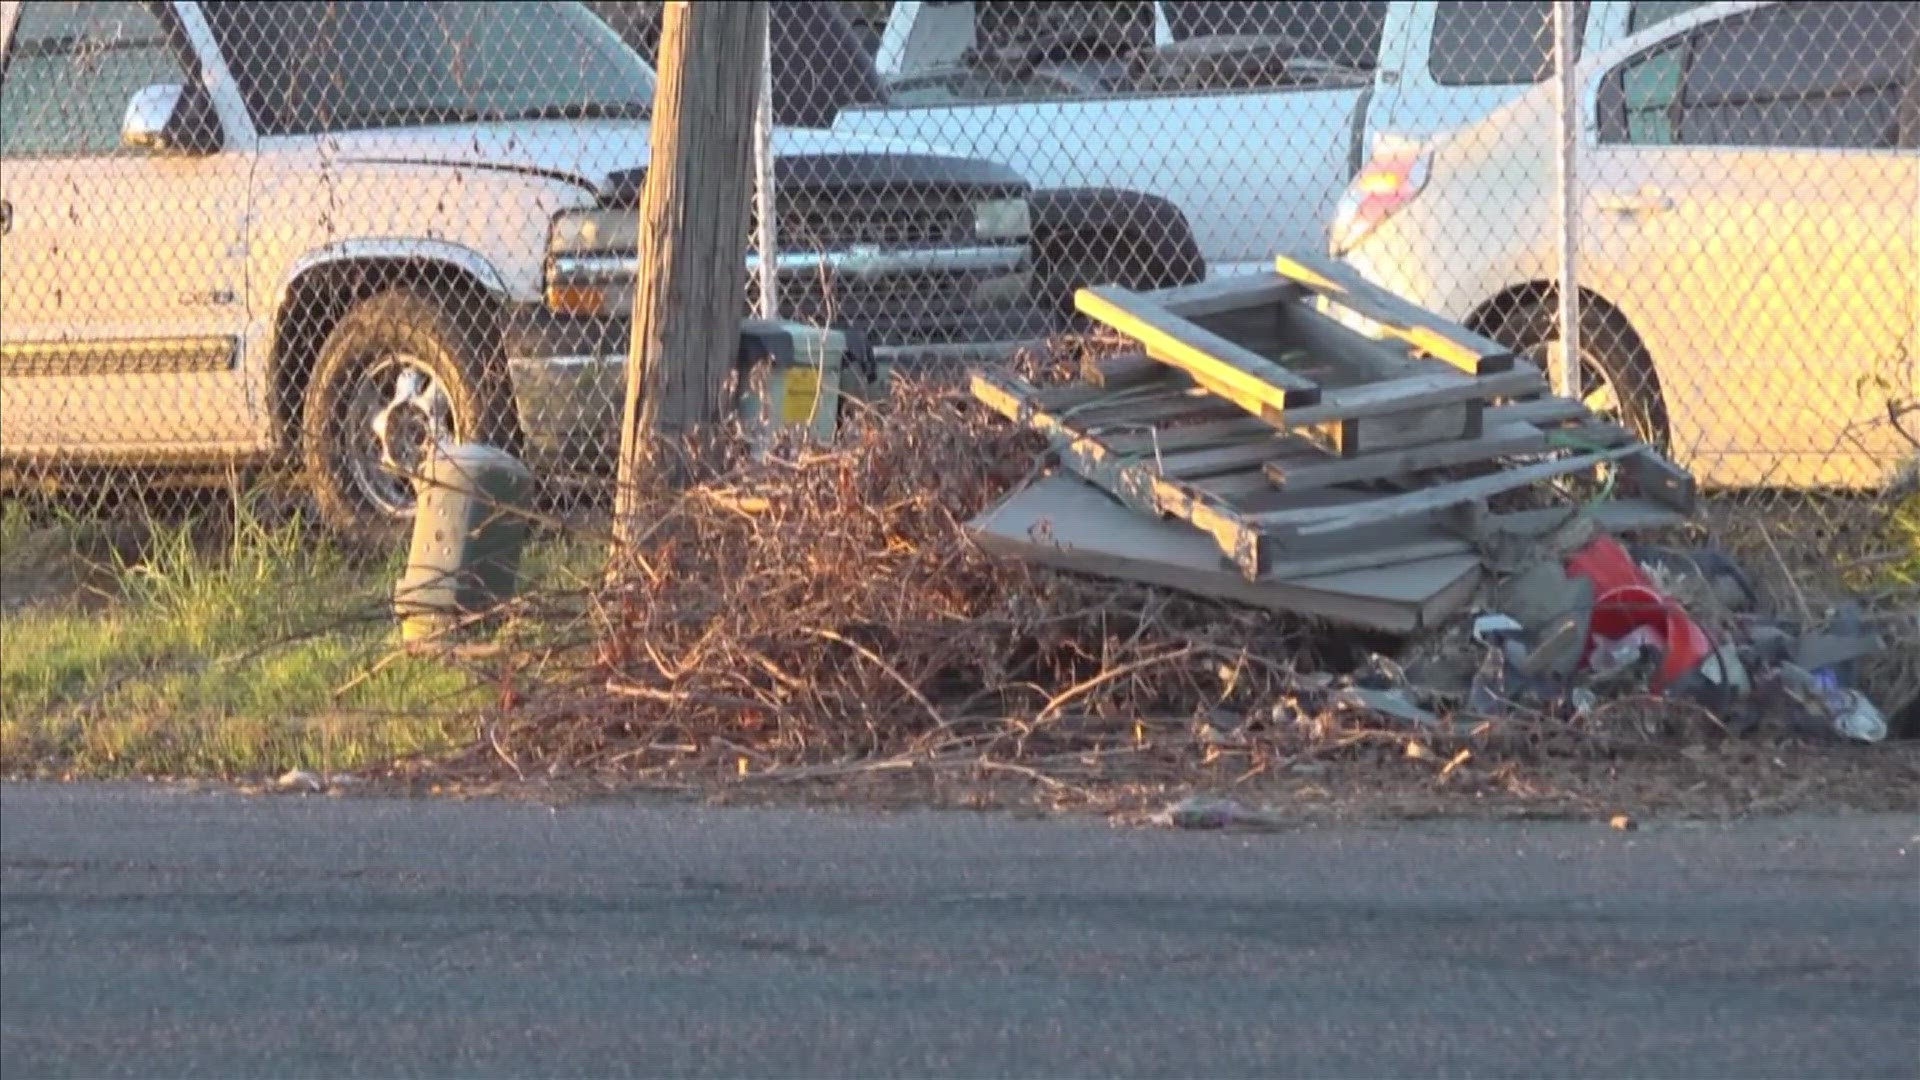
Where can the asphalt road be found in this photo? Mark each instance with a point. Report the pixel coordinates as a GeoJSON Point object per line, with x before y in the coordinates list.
{"type": "Point", "coordinates": [153, 932]}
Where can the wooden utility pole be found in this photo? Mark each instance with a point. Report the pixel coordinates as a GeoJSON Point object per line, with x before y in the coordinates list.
{"type": "Point", "coordinates": [694, 218]}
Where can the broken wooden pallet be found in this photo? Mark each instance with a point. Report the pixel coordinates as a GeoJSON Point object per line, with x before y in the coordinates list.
{"type": "Point", "coordinates": [1301, 445]}
{"type": "Point", "coordinates": [1282, 506]}
{"type": "Point", "coordinates": [1423, 331]}
{"type": "Point", "coordinates": [1258, 342]}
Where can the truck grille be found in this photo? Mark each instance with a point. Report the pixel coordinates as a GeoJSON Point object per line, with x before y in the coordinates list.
{"type": "Point", "coordinates": [834, 220]}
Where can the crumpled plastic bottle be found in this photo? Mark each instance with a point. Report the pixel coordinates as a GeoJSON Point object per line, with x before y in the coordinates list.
{"type": "Point", "coordinates": [1850, 714]}
{"type": "Point", "coordinates": [1857, 718]}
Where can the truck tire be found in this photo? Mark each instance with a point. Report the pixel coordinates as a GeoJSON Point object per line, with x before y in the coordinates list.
{"type": "Point", "coordinates": [1096, 236]}
{"type": "Point", "coordinates": [1068, 262]}
{"type": "Point", "coordinates": [397, 371]}
{"type": "Point", "coordinates": [1618, 379]}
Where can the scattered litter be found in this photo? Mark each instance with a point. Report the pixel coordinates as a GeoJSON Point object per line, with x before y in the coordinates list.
{"type": "Point", "coordinates": [1491, 629]}
{"type": "Point", "coordinates": [1611, 656]}
{"type": "Point", "coordinates": [1816, 706]}
{"type": "Point", "coordinates": [1205, 812]}
{"type": "Point", "coordinates": [1723, 578]}
{"type": "Point", "coordinates": [1556, 648]}
{"type": "Point", "coordinates": [1380, 673]}
{"type": "Point", "coordinates": [1638, 621]}
{"type": "Point", "coordinates": [1391, 704]}
{"type": "Point", "coordinates": [1529, 627]}
{"type": "Point", "coordinates": [1836, 648]}
{"type": "Point", "coordinates": [300, 780]}
{"type": "Point", "coordinates": [1857, 719]}
{"type": "Point", "coordinates": [1545, 593]}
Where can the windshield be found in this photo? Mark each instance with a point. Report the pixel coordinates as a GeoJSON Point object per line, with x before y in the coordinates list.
{"type": "Point", "coordinates": [327, 65]}
{"type": "Point", "coordinates": [820, 64]}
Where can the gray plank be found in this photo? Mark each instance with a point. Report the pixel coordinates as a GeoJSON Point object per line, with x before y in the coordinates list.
{"type": "Point", "coordinates": [1314, 522]}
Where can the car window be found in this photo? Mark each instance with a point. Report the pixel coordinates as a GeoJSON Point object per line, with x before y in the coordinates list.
{"type": "Point", "coordinates": [1343, 32]}
{"type": "Point", "coordinates": [71, 70]}
{"type": "Point", "coordinates": [1910, 107]}
{"type": "Point", "coordinates": [1218, 45]}
{"type": "Point", "coordinates": [1814, 75]}
{"type": "Point", "coordinates": [1063, 27]}
{"type": "Point", "coordinates": [1496, 42]}
{"type": "Point", "coordinates": [1645, 13]}
{"type": "Point", "coordinates": [1804, 75]}
{"type": "Point", "coordinates": [1640, 101]}
{"type": "Point", "coordinates": [319, 65]}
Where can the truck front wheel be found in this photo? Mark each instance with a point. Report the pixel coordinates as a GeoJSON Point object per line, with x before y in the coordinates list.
{"type": "Point", "coordinates": [1068, 262]}
{"type": "Point", "coordinates": [397, 373]}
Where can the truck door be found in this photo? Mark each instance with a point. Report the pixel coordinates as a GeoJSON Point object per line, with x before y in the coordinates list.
{"type": "Point", "coordinates": [125, 258]}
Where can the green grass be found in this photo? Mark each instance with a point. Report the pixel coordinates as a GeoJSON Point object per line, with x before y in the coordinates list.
{"type": "Point", "coordinates": [263, 652]}
{"type": "Point", "coordinates": [15, 523]}
{"type": "Point", "coordinates": [1905, 529]}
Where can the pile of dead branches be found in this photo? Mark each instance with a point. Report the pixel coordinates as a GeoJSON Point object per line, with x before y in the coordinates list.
{"type": "Point", "coordinates": [817, 604]}
{"type": "Point", "coordinates": [802, 611]}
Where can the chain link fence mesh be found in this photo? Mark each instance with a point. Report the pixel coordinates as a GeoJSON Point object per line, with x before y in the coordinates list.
{"type": "Point", "coordinates": [265, 240]}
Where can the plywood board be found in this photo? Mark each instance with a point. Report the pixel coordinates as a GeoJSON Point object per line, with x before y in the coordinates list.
{"type": "Point", "coordinates": [1124, 476]}
{"type": "Point", "coordinates": [1064, 523]}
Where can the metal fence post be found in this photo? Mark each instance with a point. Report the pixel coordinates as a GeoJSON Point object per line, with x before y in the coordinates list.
{"type": "Point", "coordinates": [1567, 102]}
{"type": "Point", "coordinates": [763, 188]}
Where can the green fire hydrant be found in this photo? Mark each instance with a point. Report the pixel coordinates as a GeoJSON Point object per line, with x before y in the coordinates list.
{"type": "Point", "coordinates": [467, 536]}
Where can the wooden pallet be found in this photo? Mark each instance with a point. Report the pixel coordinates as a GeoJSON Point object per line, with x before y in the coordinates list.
{"type": "Point", "coordinates": [1258, 342]}
{"type": "Point", "coordinates": [1301, 446]}
{"type": "Point", "coordinates": [1282, 506]}
{"type": "Point", "coordinates": [1421, 331]}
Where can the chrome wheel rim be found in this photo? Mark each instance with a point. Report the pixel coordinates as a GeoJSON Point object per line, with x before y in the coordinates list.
{"type": "Point", "coordinates": [396, 413]}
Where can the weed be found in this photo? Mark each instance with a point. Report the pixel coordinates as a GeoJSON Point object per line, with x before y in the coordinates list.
{"type": "Point", "coordinates": [227, 646]}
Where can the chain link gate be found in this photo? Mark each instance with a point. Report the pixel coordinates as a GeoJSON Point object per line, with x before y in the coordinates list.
{"type": "Point", "coordinates": [317, 235]}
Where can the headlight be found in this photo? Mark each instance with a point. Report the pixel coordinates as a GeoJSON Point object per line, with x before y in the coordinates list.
{"type": "Point", "coordinates": [591, 257]}
{"type": "Point", "coordinates": [1002, 219]}
{"type": "Point", "coordinates": [581, 232]}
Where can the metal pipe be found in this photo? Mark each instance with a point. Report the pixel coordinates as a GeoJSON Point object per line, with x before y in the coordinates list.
{"type": "Point", "coordinates": [764, 193]}
{"type": "Point", "coordinates": [1567, 102]}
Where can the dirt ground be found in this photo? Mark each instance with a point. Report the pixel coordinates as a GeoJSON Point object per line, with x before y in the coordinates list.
{"type": "Point", "coordinates": [1346, 780]}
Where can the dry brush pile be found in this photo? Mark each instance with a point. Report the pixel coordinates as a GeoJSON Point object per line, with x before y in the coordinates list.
{"type": "Point", "coordinates": [813, 612]}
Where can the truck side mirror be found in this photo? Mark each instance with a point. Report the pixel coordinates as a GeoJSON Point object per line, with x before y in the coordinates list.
{"type": "Point", "coordinates": [166, 118]}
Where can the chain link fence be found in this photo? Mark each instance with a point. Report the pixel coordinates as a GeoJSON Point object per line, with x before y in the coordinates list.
{"type": "Point", "coordinates": [305, 239]}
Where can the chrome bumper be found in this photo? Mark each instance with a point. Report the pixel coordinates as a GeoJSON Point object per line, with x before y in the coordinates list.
{"type": "Point", "coordinates": [569, 376]}
{"type": "Point", "coordinates": [803, 266]}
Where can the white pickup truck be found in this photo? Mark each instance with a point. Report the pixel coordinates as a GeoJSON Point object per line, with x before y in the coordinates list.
{"type": "Point", "coordinates": [246, 232]}
{"type": "Point", "coordinates": [1250, 116]}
